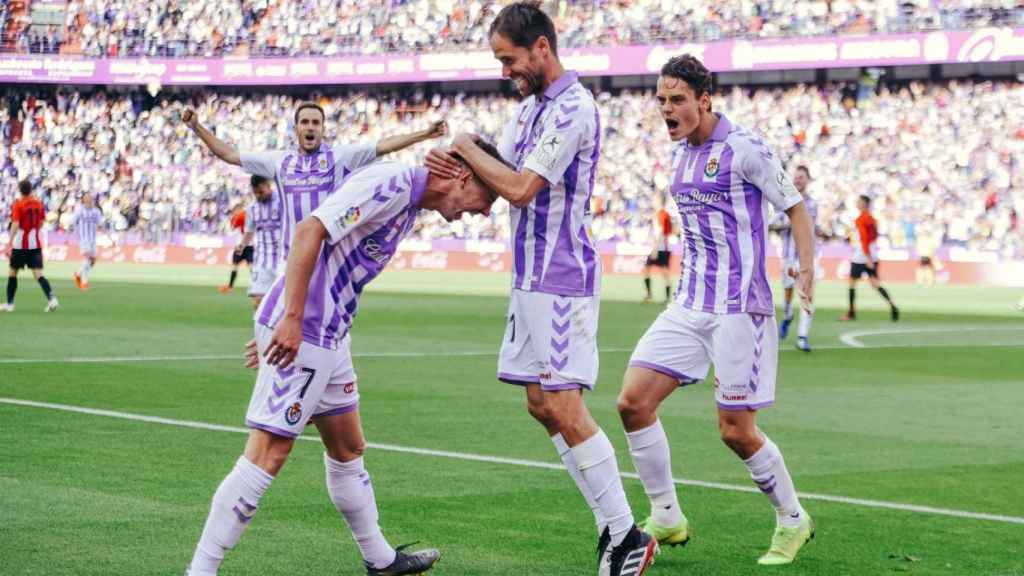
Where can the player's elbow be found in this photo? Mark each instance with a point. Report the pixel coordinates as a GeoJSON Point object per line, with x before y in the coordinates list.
{"type": "Point", "coordinates": [520, 197]}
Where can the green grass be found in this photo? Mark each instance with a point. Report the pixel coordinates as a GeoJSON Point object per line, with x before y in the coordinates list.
{"type": "Point", "coordinates": [929, 416]}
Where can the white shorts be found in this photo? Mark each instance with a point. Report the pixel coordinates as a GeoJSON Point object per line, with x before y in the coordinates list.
{"type": "Point", "coordinates": [550, 340]}
{"type": "Point", "coordinates": [744, 348]}
{"type": "Point", "coordinates": [320, 382]}
{"type": "Point", "coordinates": [262, 281]}
{"type": "Point", "coordinates": [87, 250]}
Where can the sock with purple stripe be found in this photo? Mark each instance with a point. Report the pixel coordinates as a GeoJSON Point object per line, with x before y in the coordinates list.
{"type": "Point", "coordinates": [768, 470]}
{"type": "Point", "coordinates": [234, 505]}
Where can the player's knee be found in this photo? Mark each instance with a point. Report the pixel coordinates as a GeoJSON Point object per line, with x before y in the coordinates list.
{"type": "Point", "coordinates": [633, 407]}
{"type": "Point", "coordinates": [541, 412]}
{"type": "Point", "coordinates": [738, 438]}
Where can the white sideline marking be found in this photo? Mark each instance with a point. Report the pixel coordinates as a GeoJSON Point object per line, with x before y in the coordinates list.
{"type": "Point", "coordinates": [852, 338]}
{"type": "Point", "coordinates": [519, 462]}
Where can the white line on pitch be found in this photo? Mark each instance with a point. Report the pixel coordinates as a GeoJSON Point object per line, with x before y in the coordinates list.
{"type": "Point", "coordinates": [520, 462]}
{"type": "Point", "coordinates": [852, 338]}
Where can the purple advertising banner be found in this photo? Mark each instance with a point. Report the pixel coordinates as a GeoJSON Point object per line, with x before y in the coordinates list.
{"type": "Point", "coordinates": [983, 45]}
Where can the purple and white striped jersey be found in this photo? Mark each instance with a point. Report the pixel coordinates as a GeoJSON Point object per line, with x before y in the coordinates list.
{"type": "Point", "coordinates": [789, 253]}
{"type": "Point", "coordinates": [304, 180]}
{"type": "Point", "coordinates": [365, 221]}
{"type": "Point", "coordinates": [85, 221]}
{"type": "Point", "coordinates": [557, 136]}
{"type": "Point", "coordinates": [722, 189]}
{"type": "Point", "coordinates": [263, 220]}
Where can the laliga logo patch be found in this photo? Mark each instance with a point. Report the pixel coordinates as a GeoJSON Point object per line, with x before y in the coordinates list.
{"type": "Point", "coordinates": [711, 168]}
{"type": "Point", "coordinates": [293, 414]}
{"type": "Point", "coordinates": [351, 216]}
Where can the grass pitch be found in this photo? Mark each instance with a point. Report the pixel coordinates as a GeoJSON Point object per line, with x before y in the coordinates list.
{"type": "Point", "coordinates": [925, 412]}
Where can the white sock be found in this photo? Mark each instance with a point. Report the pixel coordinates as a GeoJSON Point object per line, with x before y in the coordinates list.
{"type": "Point", "coordinates": [348, 484]}
{"type": "Point", "coordinates": [234, 504]}
{"type": "Point", "coordinates": [565, 453]}
{"type": "Point", "coordinates": [86, 268]}
{"type": "Point", "coordinates": [768, 470]}
{"type": "Point", "coordinates": [788, 310]}
{"type": "Point", "coordinates": [595, 458]}
{"type": "Point", "coordinates": [653, 461]}
{"type": "Point", "coordinates": [805, 323]}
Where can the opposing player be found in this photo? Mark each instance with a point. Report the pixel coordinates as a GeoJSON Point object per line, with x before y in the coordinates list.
{"type": "Point", "coordinates": [305, 177]}
{"type": "Point", "coordinates": [263, 226]}
{"type": "Point", "coordinates": [86, 220]}
{"type": "Point", "coordinates": [550, 344]}
{"type": "Point", "coordinates": [243, 252]}
{"type": "Point", "coordinates": [26, 248]}
{"type": "Point", "coordinates": [305, 367]}
{"type": "Point", "coordinates": [865, 259]}
{"type": "Point", "coordinates": [791, 263]}
{"type": "Point", "coordinates": [724, 178]}
{"type": "Point", "coordinates": [661, 255]}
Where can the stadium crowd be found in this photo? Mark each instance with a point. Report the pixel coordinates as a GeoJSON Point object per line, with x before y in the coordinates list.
{"type": "Point", "coordinates": [327, 27]}
{"type": "Point", "coordinates": [941, 160]}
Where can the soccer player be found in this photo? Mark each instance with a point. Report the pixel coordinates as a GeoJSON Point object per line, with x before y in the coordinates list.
{"type": "Point", "coordinates": [26, 249]}
{"type": "Point", "coordinates": [243, 250]}
{"type": "Point", "coordinates": [865, 259]}
{"type": "Point", "coordinates": [791, 263]}
{"type": "Point", "coordinates": [263, 224]}
{"type": "Point", "coordinates": [550, 343]}
{"type": "Point", "coordinates": [724, 178]}
{"type": "Point", "coordinates": [305, 177]}
{"type": "Point", "coordinates": [85, 221]}
{"type": "Point", "coordinates": [661, 256]}
{"type": "Point", "coordinates": [305, 366]}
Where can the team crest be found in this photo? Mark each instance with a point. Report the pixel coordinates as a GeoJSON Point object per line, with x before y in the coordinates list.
{"type": "Point", "coordinates": [323, 163]}
{"type": "Point", "coordinates": [711, 168]}
{"type": "Point", "coordinates": [293, 414]}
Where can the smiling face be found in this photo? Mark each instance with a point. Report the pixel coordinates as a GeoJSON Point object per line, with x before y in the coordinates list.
{"type": "Point", "coordinates": [309, 129]}
{"type": "Point", "coordinates": [801, 179]}
{"type": "Point", "coordinates": [680, 107]}
{"type": "Point", "coordinates": [524, 66]}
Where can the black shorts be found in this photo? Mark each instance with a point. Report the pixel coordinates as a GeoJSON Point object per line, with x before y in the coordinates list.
{"type": "Point", "coordinates": [926, 261]}
{"type": "Point", "coordinates": [31, 259]}
{"type": "Point", "coordinates": [244, 256]}
{"type": "Point", "coordinates": [660, 260]}
{"type": "Point", "coordinates": [859, 270]}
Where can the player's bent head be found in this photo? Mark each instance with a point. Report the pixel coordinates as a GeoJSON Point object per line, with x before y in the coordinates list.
{"type": "Point", "coordinates": [25, 187]}
{"type": "Point", "coordinates": [260, 187]}
{"type": "Point", "coordinates": [468, 193]}
{"type": "Point", "coordinates": [309, 125]}
{"type": "Point", "coordinates": [523, 39]}
{"type": "Point", "coordinates": [684, 95]}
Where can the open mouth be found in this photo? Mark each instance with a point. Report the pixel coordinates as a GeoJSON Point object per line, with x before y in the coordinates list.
{"type": "Point", "coordinates": [671, 123]}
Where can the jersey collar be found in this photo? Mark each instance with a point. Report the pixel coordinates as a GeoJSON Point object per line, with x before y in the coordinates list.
{"type": "Point", "coordinates": [722, 129]}
{"type": "Point", "coordinates": [419, 185]}
{"type": "Point", "coordinates": [568, 78]}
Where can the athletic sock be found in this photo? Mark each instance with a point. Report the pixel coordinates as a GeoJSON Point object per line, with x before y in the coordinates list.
{"type": "Point", "coordinates": [45, 285]}
{"type": "Point", "coordinates": [350, 489]}
{"type": "Point", "coordinates": [805, 323]}
{"type": "Point", "coordinates": [885, 294]}
{"type": "Point", "coordinates": [234, 505]}
{"type": "Point", "coordinates": [12, 288]}
{"type": "Point", "coordinates": [647, 286]}
{"type": "Point", "coordinates": [596, 460]}
{"type": "Point", "coordinates": [853, 296]}
{"type": "Point", "coordinates": [231, 282]}
{"type": "Point", "coordinates": [768, 470]}
{"type": "Point", "coordinates": [668, 293]}
{"type": "Point", "coordinates": [653, 461]}
{"type": "Point", "coordinates": [788, 310]}
{"type": "Point", "coordinates": [84, 272]}
{"type": "Point", "coordinates": [565, 453]}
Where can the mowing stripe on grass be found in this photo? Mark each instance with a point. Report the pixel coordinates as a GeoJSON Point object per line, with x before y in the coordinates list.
{"type": "Point", "coordinates": [852, 339]}
{"type": "Point", "coordinates": [518, 462]}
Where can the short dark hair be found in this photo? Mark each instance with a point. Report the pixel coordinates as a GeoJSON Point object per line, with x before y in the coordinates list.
{"type": "Point", "coordinates": [805, 169]}
{"type": "Point", "coordinates": [257, 180]}
{"type": "Point", "coordinates": [308, 105]}
{"type": "Point", "coordinates": [690, 70]}
{"type": "Point", "coordinates": [487, 147]}
{"type": "Point", "coordinates": [25, 187]}
{"type": "Point", "coordinates": [866, 199]}
{"type": "Point", "coordinates": [523, 23]}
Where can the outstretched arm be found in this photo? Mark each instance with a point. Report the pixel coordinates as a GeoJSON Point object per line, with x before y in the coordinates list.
{"type": "Point", "coordinates": [218, 147]}
{"type": "Point", "coordinates": [284, 344]}
{"type": "Point", "coordinates": [391, 144]}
